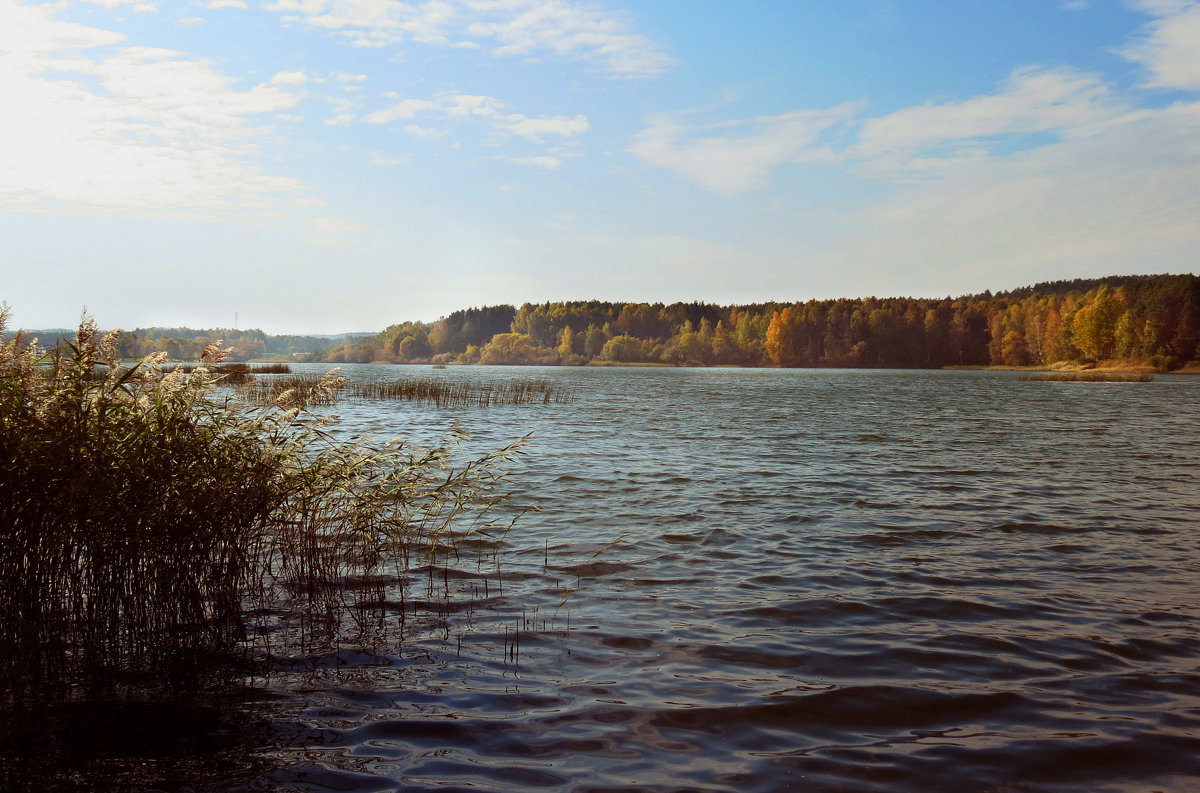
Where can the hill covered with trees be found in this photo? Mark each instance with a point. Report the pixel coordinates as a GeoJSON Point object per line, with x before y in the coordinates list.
{"type": "Point", "coordinates": [1147, 319]}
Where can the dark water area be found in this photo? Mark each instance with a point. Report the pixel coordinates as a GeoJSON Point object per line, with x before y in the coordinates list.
{"type": "Point", "coordinates": [753, 580]}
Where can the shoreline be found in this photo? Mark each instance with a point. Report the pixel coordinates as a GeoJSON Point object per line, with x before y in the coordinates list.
{"type": "Point", "coordinates": [1115, 367]}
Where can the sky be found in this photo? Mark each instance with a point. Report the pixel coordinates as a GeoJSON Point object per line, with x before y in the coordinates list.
{"type": "Point", "coordinates": [324, 166]}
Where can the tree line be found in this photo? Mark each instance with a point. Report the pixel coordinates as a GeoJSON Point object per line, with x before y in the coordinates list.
{"type": "Point", "coordinates": [1147, 319]}
{"type": "Point", "coordinates": [187, 344]}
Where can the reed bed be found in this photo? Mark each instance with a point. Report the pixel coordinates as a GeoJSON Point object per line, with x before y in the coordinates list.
{"type": "Point", "coordinates": [234, 373]}
{"type": "Point", "coordinates": [1091, 377]}
{"type": "Point", "coordinates": [445, 392]}
{"type": "Point", "coordinates": [307, 389]}
{"type": "Point", "coordinates": [236, 368]}
{"type": "Point", "coordinates": [442, 392]}
{"type": "Point", "coordinates": [155, 531]}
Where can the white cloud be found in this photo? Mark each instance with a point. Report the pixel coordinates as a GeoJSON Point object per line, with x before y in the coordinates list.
{"type": "Point", "coordinates": [734, 156]}
{"type": "Point", "coordinates": [31, 33]}
{"type": "Point", "coordinates": [467, 105]}
{"type": "Point", "coordinates": [427, 133]}
{"type": "Point", "coordinates": [401, 110]}
{"type": "Point", "coordinates": [190, 21]}
{"type": "Point", "coordinates": [139, 6]}
{"type": "Point", "coordinates": [1050, 175]}
{"type": "Point", "coordinates": [454, 106]}
{"type": "Point", "coordinates": [544, 161]}
{"type": "Point", "coordinates": [568, 29]}
{"type": "Point", "coordinates": [1169, 47]}
{"type": "Point", "coordinates": [289, 78]}
{"type": "Point", "coordinates": [1122, 199]}
{"type": "Point", "coordinates": [1058, 101]}
{"type": "Point", "coordinates": [534, 28]}
{"type": "Point", "coordinates": [113, 3]}
{"type": "Point", "coordinates": [134, 130]}
{"type": "Point", "coordinates": [217, 5]}
{"type": "Point", "coordinates": [535, 128]}
{"type": "Point", "coordinates": [1032, 108]}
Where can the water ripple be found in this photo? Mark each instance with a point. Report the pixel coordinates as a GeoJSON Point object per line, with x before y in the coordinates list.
{"type": "Point", "coordinates": [745, 580]}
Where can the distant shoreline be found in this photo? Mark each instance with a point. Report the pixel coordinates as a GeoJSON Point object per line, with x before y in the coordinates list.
{"type": "Point", "coordinates": [1116, 367]}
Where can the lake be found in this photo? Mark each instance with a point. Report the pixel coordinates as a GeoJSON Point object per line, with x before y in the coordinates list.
{"type": "Point", "coordinates": [791, 580]}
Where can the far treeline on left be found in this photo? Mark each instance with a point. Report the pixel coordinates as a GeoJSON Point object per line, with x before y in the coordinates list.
{"type": "Point", "coordinates": [1151, 321]}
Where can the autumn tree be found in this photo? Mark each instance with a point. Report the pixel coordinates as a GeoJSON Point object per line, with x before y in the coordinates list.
{"type": "Point", "coordinates": [781, 338]}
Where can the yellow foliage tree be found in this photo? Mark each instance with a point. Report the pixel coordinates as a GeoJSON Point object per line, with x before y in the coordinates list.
{"type": "Point", "coordinates": [781, 338]}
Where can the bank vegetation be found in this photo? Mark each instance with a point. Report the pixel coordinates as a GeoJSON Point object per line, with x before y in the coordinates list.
{"type": "Point", "coordinates": [1138, 321]}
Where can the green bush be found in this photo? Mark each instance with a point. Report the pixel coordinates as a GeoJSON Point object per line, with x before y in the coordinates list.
{"type": "Point", "coordinates": [148, 519]}
{"type": "Point", "coordinates": [1163, 363]}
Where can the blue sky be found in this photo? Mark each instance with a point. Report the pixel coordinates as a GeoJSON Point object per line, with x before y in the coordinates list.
{"type": "Point", "coordinates": [336, 165]}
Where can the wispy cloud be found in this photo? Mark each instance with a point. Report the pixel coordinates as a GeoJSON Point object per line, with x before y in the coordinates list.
{"type": "Point", "coordinates": [1095, 203]}
{"type": "Point", "coordinates": [459, 107]}
{"type": "Point", "coordinates": [1052, 169]}
{"type": "Point", "coordinates": [1032, 108]}
{"type": "Point", "coordinates": [428, 133]}
{"type": "Point", "coordinates": [1169, 47]}
{"type": "Point", "coordinates": [544, 161]}
{"type": "Point", "coordinates": [531, 28]}
{"type": "Point", "coordinates": [96, 127]}
{"type": "Point", "coordinates": [1056, 101]}
{"type": "Point", "coordinates": [733, 156]}
{"type": "Point", "coordinates": [566, 29]}
{"type": "Point", "coordinates": [139, 5]}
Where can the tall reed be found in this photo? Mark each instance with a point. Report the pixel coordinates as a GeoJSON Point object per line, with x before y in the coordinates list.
{"type": "Point", "coordinates": [448, 392]}
{"type": "Point", "coordinates": [148, 523]}
{"type": "Point", "coordinates": [235, 373]}
{"type": "Point", "coordinates": [442, 392]}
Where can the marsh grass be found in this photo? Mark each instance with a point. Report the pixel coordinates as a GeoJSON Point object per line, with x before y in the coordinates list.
{"type": "Point", "coordinates": [314, 390]}
{"type": "Point", "coordinates": [442, 392]}
{"type": "Point", "coordinates": [234, 373]}
{"type": "Point", "coordinates": [452, 392]}
{"type": "Point", "coordinates": [159, 531]}
{"type": "Point", "coordinates": [1091, 376]}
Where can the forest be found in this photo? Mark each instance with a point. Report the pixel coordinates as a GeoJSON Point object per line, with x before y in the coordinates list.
{"type": "Point", "coordinates": [1147, 320]}
{"type": "Point", "coordinates": [186, 344]}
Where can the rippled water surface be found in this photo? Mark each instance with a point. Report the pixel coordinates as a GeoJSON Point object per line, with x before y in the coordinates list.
{"type": "Point", "coordinates": [750, 580]}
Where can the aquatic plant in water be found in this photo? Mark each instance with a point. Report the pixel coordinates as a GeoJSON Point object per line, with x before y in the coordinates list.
{"type": "Point", "coordinates": [441, 392]}
{"type": "Point", "coordinates": [153, 528]}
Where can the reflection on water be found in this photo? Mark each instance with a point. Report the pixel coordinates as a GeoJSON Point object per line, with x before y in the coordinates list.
{"type": "Point", "coordinates": [746, 580]}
